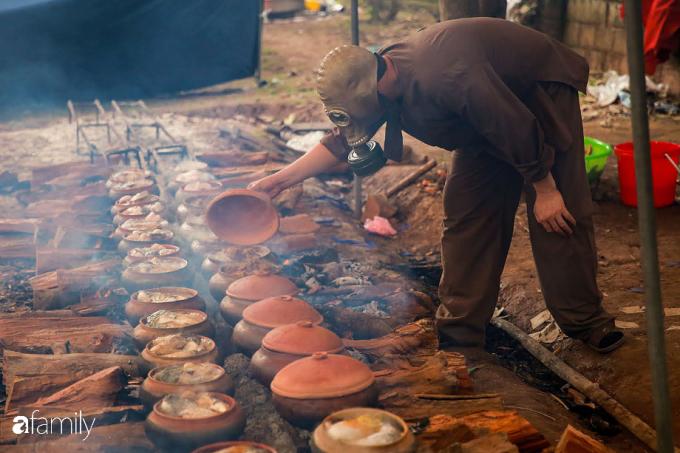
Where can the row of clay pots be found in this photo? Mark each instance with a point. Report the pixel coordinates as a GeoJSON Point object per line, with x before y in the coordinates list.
{"type": "Point", "coordinates": [167, 431]}
{"type": "Point", "coordinates": [170, 270]}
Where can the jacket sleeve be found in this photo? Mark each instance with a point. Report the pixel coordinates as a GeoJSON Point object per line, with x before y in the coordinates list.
{"type": "Point", "coordinates": [483, 99]}
{"type": "Point", "coordinates": [336, 144]}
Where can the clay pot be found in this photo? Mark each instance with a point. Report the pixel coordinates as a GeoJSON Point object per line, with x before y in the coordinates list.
{"type": "Point", "coordinates": [151, 360]}
{"type": "Point", "coordinates": [159, 236]}
{"type": "Point", "coordinates": [127, 175]}
{"type": "Point", "coordinates": [195, 229]}
{"type": "Point", "coordinates": [309, 389]}
{"type": "Point", "coordinates": [143, 333]}
{"type": "Point", "coordinates": [244, 444]}
{"type": "Point", "coordinates": [153, 389]}
{"type": "Point", "coordinates": [242, 217]}
{"type": "Point", "coordinates": [231, 272]}
{"type": "Point", "coordinates": [193, 189]}
{"type": "Point", "coordinates": [143, 224]}
{"type": "Point", "coordinates": [138, 254]}
{"type": "Point", "coordinates": [156, 272]}
{"type": "Point", "coordinates": [253, 288]}
{"type": "Point", "coordinates": [138, 199]}
{"type": "Point", "coordinates": [204, 248]}
{"type": "Point", "coordinates": [138, 212]}
{"type": "Point", "coordinates": [187, 176]}
{"type": "Point", "coordinates": [119, 189]}
{"type": "Point", "coordinates": [286, 344]}
{"type": "Point", "coordinates": [172, 433]}
{"type": "Point", "coordinates": [212, 263]}
{"type": "Point", "coordinates": [323, 442]}
{"type": "Point", "coordinates": [179, 298]}
{"type": "Point", "coordinates": [263, 316]}
{"type": "Point", "coordinates": [192, 206]}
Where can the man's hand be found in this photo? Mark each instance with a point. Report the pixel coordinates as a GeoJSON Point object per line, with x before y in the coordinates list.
{"type": "Point", "coordinates": [271, 185]}
{"type": "Point", "coordinates": [550, 210]}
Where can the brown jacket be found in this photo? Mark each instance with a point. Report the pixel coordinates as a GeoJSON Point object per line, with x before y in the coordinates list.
{"type": "Point", "coordinates": [477, 84]}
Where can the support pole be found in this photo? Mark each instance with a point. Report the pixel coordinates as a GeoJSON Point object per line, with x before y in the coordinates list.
{"type": "Point", "coordinates": [647, 226]}
{"type": "Point", "coordinates": [357, 192]}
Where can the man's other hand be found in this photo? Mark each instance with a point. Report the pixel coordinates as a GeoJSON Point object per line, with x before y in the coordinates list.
{"type": "Point", "coordinates": [550, 210]}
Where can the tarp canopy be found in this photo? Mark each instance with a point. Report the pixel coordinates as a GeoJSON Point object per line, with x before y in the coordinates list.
{"type": "Point", "coordinates": [53, 50]}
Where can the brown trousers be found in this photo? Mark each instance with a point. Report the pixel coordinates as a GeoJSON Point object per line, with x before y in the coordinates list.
{"type": "Point", "coordinates": [481, 197]}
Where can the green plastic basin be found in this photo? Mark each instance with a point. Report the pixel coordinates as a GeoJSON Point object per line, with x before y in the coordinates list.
{"type": "Point", "coordinates": [597, 153]}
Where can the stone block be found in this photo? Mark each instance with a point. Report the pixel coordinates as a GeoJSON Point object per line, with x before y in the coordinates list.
{"type": "Point", "coordinates": [604, 39]}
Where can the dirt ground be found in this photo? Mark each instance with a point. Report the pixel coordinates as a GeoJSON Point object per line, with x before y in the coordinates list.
{"type": "Point", "coordinates": [291, 52]}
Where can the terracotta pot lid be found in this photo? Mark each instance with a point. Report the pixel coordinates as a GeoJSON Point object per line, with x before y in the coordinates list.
{"type": "Point", "coordinates": [302, 338]}
{"type": "Point", "coordinates": [322, 376]}
{"type": "Point", "coordinates": [279, 311]}
{"type": "Point", "coordinates": [261, 286]}
{"type": "Point", "coordinates": [242, 217]}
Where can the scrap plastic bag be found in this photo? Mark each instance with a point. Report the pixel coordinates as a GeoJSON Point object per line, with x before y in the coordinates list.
{"type": "Point", "coordinates": [380, 226]}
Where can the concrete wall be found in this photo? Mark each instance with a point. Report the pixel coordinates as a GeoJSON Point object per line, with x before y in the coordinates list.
{"type": "Point", "coordinates": [594, 29]}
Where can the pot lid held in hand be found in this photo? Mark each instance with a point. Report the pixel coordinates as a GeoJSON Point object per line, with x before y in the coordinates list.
{"type": "Point", "coordinates": [322, 376]}
{"type": "Point", "coordinates": [261, 286]}
{"type": "Point", "coordinates": [279, 311]}
{"type": "Point", "coordinates": [302, 338]}
{"type": "Point", "coordinates": [242, 217]}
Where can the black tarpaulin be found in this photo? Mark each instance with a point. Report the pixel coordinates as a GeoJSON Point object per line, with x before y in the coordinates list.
{"type": "Point", "coordinates": [53, 50]}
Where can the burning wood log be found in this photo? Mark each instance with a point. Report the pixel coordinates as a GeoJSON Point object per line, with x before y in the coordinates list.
{"type": "Point", "coordinates": [92, 392]}
{"type": "Point", "coordinates": [28, 377]}
{"type": "Point", "coordinates": [443, 430]}
{"type": "Point", "coordinates": [418, 336]}
{"type": "Point", "coordinates": [62, 287]}
{"type": "Point", "coordinates": [411, 178]}
{"type": "Point", "coordinates": [49, 259]}
{"type": "Point", "coordinates": [573, 440]}
{"type": "Point", "coordinates": [41, 175]}
{"type": "Point", "coordinates": [15, 247]}
{"type": "Point", "coordinates": [45, 334]}
{"type": "Point", "coordinates": [496, 442]}
{"type": "Point", "coordinates": [27, 226]}
{"type": "Point", "coordinates": [232, 158]}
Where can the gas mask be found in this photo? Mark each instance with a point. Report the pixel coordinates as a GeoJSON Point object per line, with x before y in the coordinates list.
{"type": "Point", "coordinates": [348, 86]}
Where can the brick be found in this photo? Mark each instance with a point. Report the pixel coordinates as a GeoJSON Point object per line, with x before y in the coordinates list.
{"type": "Point", "coordinates": [571, 33]}
{"type": "Point", "coordinates": [587, 37]}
